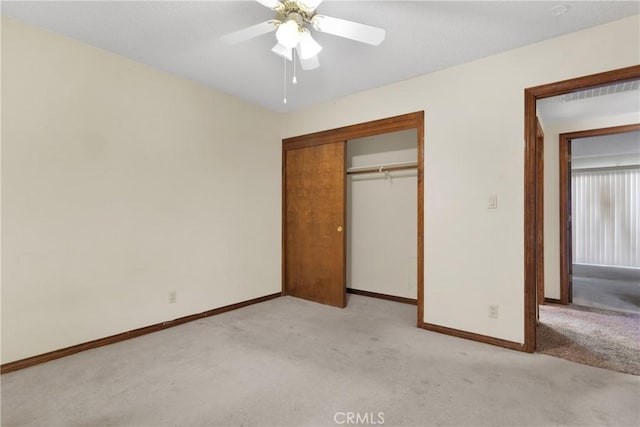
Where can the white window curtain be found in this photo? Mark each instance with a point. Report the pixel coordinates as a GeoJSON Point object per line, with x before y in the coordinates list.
{"type": "Point", "coordinates": [606, 209]}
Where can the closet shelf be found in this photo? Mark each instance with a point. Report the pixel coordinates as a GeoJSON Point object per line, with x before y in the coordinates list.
{"type": "Point", "coordinates": [390, 167]}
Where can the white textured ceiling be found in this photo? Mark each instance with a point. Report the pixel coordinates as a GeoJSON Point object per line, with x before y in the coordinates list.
{"type": "Point", "coordinates": [182, 37]}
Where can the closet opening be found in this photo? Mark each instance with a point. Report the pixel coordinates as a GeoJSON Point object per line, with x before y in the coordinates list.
{"type": "Point", "coordinates": [382, 183]}
{"type": "Point", "coordinates": [353, 212]}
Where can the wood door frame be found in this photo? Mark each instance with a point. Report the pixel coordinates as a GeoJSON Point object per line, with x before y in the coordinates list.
{"type": "Point", "coordinates": [540, 214]}
{"type": "Point", "coordinates": [566, 292]}
{"type": "Point", "coordinates": [376, 127]}
{"type": "Point", "coordinates": [532, 180]}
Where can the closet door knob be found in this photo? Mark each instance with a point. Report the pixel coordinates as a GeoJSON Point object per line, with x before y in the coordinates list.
{"type": "Point", "coordinates": [339, 229]}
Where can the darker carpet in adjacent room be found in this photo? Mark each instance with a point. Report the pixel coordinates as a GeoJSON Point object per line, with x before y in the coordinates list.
{"type": "Point", "coordinates": [601, 338]}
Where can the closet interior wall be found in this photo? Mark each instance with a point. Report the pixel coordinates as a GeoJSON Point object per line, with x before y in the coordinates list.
{"type": "Point", "coordinates": [381, 215]}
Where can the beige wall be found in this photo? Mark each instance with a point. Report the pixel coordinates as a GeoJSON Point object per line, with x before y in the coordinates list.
{"type": "Point", "coordinates": [473, 149]}
{"type": "Point", "coordinates": [121, 183]}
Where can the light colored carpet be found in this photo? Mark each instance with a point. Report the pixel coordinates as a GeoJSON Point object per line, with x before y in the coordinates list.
{"type": "Point", "coordinates": [289, 362]}
{"type": "Point", "coordinates": [603, 338]}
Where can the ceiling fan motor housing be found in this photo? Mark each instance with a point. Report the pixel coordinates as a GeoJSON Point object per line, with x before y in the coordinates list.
{"type": "Point", "coordinates": [292, 10]}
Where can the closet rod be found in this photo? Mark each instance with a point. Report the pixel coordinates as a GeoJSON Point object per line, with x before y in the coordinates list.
{"type": "Point", "coordinates": [383, 168]}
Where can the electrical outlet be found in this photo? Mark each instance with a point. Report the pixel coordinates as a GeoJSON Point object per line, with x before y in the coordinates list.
{"type": "Point", "coordinates": [493, 311]}
{"type": "Point", "coordinates": [173, 297]}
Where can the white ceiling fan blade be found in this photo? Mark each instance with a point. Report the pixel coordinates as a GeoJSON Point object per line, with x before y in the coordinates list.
{"type": "Point", "coordinates": [283, 51]}
{"type": "Point", "coordinates": [349, 29]}
{"type": "Point", "coordinates": [271, 4]}
{"type": "Point", "coordinates": [309, 63]}
{"type": "Point", "coordinates": [310, 4]}
{"type": "Point", "coordinates": [250, 32]}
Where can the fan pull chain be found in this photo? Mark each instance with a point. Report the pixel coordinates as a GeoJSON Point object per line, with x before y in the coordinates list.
{"type": "Point", "coordinates": [295, 79]}
{"type": "Point", "coordinates": [284, 101]}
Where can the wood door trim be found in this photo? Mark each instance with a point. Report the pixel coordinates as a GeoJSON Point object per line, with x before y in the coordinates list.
{"type": "Point", "coordinates": [540, 215]}
{"type": "Point", "coordinates": [344, 225]}
{"type": "Point", "coordinates": [601, 131]}
{"type": "Point", "coordinates": [531, 180]}
{"type": "Point", "coordinates": [408, 121]}
{"type": "Point", "coordinates": [418, 120]}
{"type": "Point", "coordinates": [361, 130]}
{"type": "Point", "coordinates": [530, 223]}
{"type": "Point", "coordinates": [565, 188]}
{"type": "Point", "coordinates": [564, 157]}
{"type": "Point", "coordinates": [576, 84]}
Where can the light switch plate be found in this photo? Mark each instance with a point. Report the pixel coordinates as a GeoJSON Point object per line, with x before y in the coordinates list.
{"type": "Point", "coordinates": [493, 202]}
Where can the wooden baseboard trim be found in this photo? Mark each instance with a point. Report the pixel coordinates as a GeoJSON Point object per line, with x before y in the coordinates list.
{"type": "Point", "coordinates": [552, 300]}
{"type": "Point", "coordinates": [383, 296]}
{"type": "Point", "coordinates": [56, 354]}
{"type": "Point", "coordinates": [474, 337]}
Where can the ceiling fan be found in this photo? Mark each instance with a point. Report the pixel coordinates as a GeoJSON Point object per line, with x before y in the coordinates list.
{"type": "Point", "coordinates": [293, 24]}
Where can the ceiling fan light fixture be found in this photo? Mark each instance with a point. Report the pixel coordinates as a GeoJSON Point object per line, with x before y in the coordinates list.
{"type": "Point", "coordinates": [294, 22]}
{"type": "Point", "coordinates": [308, 46]}
{"type": "Point", "coordinates": [308, 64]}
{"type": "Point", "coordinates": [288, 34]}
{"type": "Point", "coordinates": [283, 51]}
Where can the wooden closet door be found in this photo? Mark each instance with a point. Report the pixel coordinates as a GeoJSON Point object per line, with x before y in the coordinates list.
{"type": "Point", "coordinates": [315, 244]}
